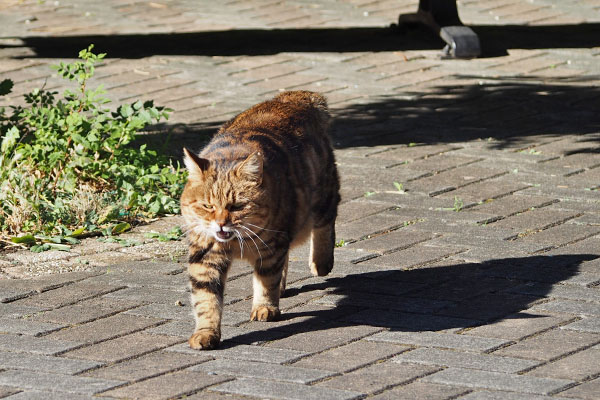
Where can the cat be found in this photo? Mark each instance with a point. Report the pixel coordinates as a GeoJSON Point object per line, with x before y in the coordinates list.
{"type": "Point", "coordinates": [266, 182]}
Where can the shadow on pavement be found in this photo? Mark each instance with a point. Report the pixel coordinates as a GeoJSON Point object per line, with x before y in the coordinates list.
{"type": "Point", "coordinates": [495, 40]}
{"type": "Point", "coordinates": [427, 299]}
{"type": "Point", "coordinates": [507, 110]}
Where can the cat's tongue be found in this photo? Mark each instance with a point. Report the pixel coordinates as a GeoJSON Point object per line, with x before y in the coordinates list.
{"type": "Point", "coordinates": [224, 235]}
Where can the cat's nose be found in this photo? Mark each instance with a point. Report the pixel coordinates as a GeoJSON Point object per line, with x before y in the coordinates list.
{"type": "Point", "coordinates": [221, 219]}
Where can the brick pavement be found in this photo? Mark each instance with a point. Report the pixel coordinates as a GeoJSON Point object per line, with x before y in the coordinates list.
{"type": "Point", "coordinates": [479, 281]}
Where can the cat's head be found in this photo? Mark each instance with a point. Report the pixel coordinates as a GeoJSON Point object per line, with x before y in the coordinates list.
{"type": "Point", "coordinates": [220, 198]}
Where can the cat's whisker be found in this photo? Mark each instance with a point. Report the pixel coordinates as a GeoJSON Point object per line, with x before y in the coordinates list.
{"type": "Point", "coordinates": [264, 229]}
{"type": "Point", "coordinates": [257, 249]}
{"type": "Point", "coordinates": [259, 238]}
{"type": "Point", "coordinates": [190, 229]}
{"type": "Point", "coordinates": [239, 238]}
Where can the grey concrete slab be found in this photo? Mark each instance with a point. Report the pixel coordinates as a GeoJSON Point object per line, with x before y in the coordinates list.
{"type": "Point", "coordinates": [258, 370]}
{"type": "Point", "coordinates": [55, 383]}
{"type": "Point", "coordinates": [283, 390]}
{"type": "Point", "coordinates": [498, 381]}
{"type": "Point", "coordinates": [50, 364]}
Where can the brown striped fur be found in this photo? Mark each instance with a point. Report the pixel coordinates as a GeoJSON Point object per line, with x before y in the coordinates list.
{"type": "Point", "coordinates": [266, 182]}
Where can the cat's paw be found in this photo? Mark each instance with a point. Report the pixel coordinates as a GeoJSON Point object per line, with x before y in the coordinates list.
{"type": "Point", "coordinates": [205, 339]}
{"type": "Point", "coordinates": [322, 268]}
{"type": "Point", "coordinates": [264, 313]}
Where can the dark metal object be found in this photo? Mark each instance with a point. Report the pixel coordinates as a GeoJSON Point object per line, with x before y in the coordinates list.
{"type": "Point", "coordinates": [442, 17]}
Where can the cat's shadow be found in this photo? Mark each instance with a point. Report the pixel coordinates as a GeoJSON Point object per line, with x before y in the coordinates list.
{"type": "Point", "coordinates": [458, 296]}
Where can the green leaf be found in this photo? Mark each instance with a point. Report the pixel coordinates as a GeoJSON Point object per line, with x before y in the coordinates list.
{"type": "Point", "coordinates": [126, 111]}
{"type": "Point", "coordinates": [399, 187]}
{"type": "Point", "coordinates": [25, 239]}
{"type": "Point", "coordinates": [120, 228]}
{"type": "Point", "coordinates": [77, 232]}
{"type": "Point", "coordinates": [10, 140]}
{"type": "Point", "coordinates": [56, 246]}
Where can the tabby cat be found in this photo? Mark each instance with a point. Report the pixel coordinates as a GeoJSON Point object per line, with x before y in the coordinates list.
{"type": "Point", "coordinates": [265, 183]}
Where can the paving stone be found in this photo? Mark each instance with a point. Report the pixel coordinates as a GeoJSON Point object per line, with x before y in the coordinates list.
{"type": "Point", "coordinates": [167, 386]}
{"type": "Point", "coordinates": [149, 365]}
{"type": "Point", "coordinates": [561, 292]}
{"type": "Point", "coordinates": [385, 243]}
{"type": "Point", "coordinates": [497, 381]}
{"type": "Point", "coordinates": [86, 311]}
{"type": "Point", "coordinates": [591, 324]}
{"type": "Point", "coordinates": [69, 294]}
{"type": "Point", "coordinates": [378, 376]}
{"type": "Point", "coordinates": [549, 345]}
{"type": "Point", "coordinates": [412, 257]}
{"type": "Point", "coordinates": [306, 317]}
{"type": "Point", "coordinates": [35, 345]}
{"type": "Point", "coordinates": [54, 382]}
{"type": "Point", "coordinates": [6, 391]}
{"type": "Point", "coordinates": [322, 339]}
{"type": "Point", "coordinates": [252, 369]}
{"type": "Point", "coordinates": [146, 267]}
{"type": "Point", "coordinates": [534, 220]}
{"type": "Point", "coordinates": [245, 352]}
{"type": "Point", "coordinates": [489, 306]}
{"type": "Point", "coordinates": [490, 395]}
{"type": "Point", "coordinates": [122, 348]}
{"type": "Point", "coordinates": [14, 289]}
{"type": "Point", "coordinates": [409, 321]}
{"type": "Point", "coordinates": [40, 395]}
{"type": "Point", "coordinates": [208, 394]}
{"type": "Point", "coordinates": [519, 325]}
{"type": "Point", "coordinates": [578, 367]}
{"type": "Point", "coordinates": [440, 340]}
{"type": "Point", "coordinates": [140, 279]}
{"type": "Point", "coordinates": [459, 359]}
{"type": "Point", "coordinates": [179, 328]}
{"type": "Point", "coordinates": [26, 327]}
{"type": "Point", "coordinates": [420, 390]}
{"type": "Point", "coordinates": [365, 227]}
{"type": "Point", "coordinates": [385, 302]}
{"type": "Point", "coordinates": [350, 356]}
{"type": "Point", "coordinates": [50, 364]}
{"type": "Point", "coordinates": [151, 295]}
{"type": "Point", "coordinates": [105, 328]}
{"type": "Point", "coordinates": [165, 311]}
{"type": "Point", "coordinates": [587, 390]}
{"type": "Point", "coordinates": [283, 390]}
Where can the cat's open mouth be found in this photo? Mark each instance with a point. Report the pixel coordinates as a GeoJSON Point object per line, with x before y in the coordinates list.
{"type": "Point", "coordinates": [224, 236]}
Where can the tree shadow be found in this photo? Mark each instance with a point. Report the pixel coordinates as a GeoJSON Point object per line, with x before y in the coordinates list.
{"type": "Point", "coordinates": [507, 110]}
{"type": "Point", "coordinates": [495, 41]}
{"type": "Point", "coordinates": [427, 299]}
{"type": "Point", "coordinates": [507, 113]}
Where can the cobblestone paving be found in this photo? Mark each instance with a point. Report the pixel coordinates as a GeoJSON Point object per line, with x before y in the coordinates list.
{"type": "Point", "coordinates": [479, 279]}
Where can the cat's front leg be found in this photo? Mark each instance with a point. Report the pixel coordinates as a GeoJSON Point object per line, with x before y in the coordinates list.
{"type": "Point", "coordinates": [267, 280]}
{"type": "Point", "coordinates": [207, 271]}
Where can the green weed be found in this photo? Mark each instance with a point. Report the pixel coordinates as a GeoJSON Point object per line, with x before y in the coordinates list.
{"type": "Point", "coordinates": [67, 163]}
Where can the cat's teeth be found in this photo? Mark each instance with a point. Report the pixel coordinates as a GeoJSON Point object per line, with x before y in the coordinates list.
{"type": "Point", "coordinates": [224, 236]}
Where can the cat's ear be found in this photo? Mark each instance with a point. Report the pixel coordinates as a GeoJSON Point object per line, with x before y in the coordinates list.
{"type": "Point", "coordinates": [251, 168]}
{"type": "Point", "coordinates": [195, 165]}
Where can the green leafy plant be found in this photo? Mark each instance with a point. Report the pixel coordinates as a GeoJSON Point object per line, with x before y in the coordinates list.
{"type": "Point", "coordinates": [174, 234]}
{"type": "Point", "coordinates": [458, 204]}
{"type": "Point", "coordinates": [68, 164]}
{"type": "Point", "coordinates": [399, 187]}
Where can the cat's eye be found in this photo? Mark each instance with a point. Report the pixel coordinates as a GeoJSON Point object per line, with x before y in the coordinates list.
{"type": "Point", "coordinates": [237, 207]}
{"type": "Point", "coordinates": [208, 207]}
